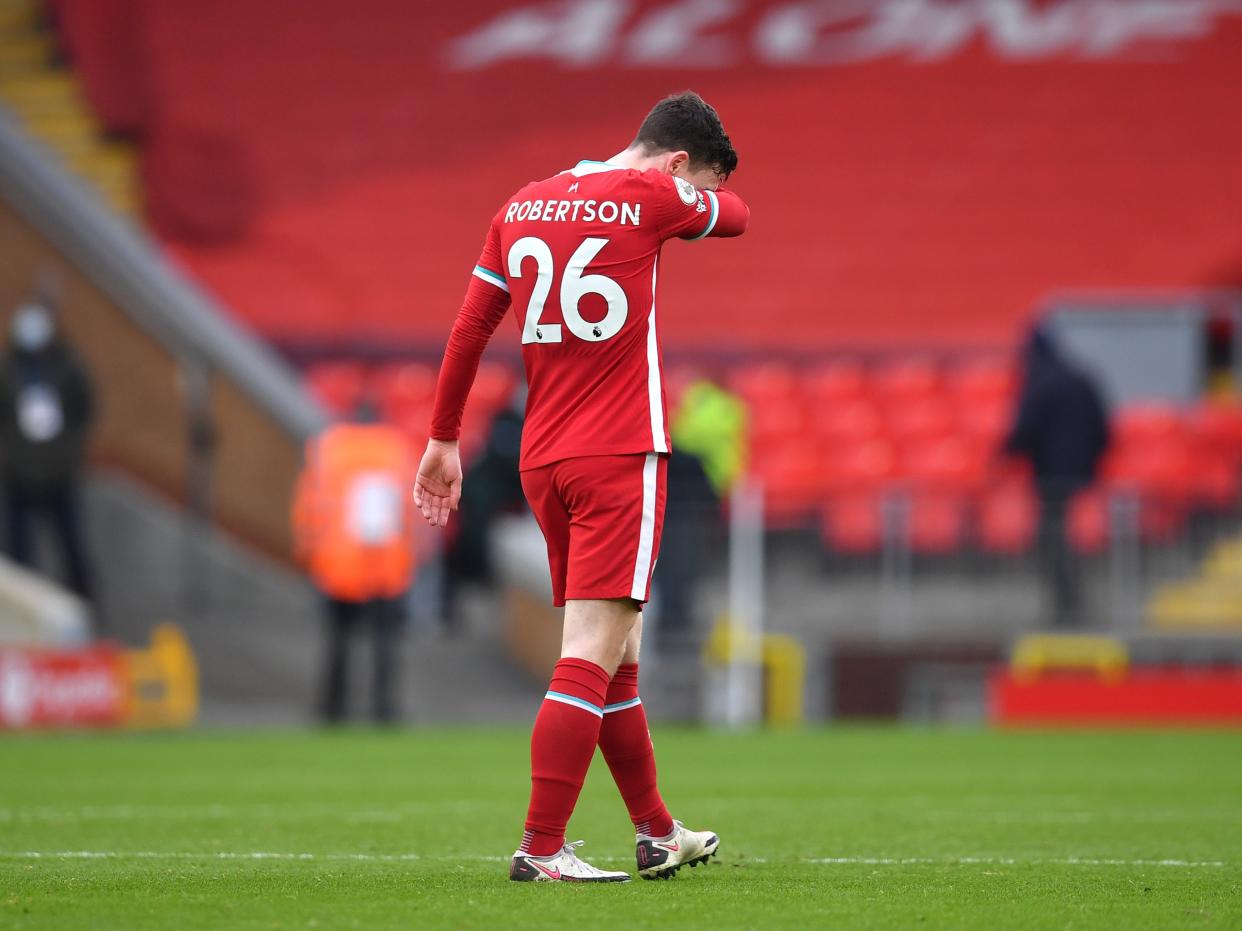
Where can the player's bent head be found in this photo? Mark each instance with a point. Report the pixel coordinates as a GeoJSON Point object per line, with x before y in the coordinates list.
{"type": "Point", "coordinates": [686, 122]}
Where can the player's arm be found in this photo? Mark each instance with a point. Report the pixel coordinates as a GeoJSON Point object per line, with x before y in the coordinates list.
{"type": "Point", "coordinates": [437, 488]}
{"type": "Point", "coordinates": [687, 212]}
{"type": "Point", "coordinates": [728, 215]}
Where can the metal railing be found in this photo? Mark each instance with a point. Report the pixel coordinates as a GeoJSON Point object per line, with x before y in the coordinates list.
{"type": "Point", "coordinates": [129, 268]}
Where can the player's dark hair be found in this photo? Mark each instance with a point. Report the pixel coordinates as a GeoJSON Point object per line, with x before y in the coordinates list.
{"type": "Point", "coordinates": [687, 122]}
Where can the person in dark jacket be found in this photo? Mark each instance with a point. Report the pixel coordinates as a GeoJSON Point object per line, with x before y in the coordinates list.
{"type": "Point", "coordinates": [495, 488]}
{"type": "Point", "coordinates": [691, 508]}
{"type": "Point", "coordinates": [46, 409]}
{"type": "Point", "coordinates": [1061, 428]}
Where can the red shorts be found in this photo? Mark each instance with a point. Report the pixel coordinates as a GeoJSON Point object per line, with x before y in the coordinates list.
{"type": "Point", "coordinates": [602, 517]}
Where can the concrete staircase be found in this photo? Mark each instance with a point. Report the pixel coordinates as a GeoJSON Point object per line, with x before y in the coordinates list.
{"type": "Point", "coordinates": [1209, 602]}
{"type": "Point", "coordinates": [256, 625]}
{"type": "Point", "coordinates": [48, 102]}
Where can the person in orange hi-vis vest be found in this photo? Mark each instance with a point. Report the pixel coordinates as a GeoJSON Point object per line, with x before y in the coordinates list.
{"type": "Point", "coordinates": [353, 530]}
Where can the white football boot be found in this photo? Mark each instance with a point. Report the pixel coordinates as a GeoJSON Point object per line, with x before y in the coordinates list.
{"type": "Point", "coordinates": [662, 857]}
{"type": "Point", "coordinates": [562, 866]}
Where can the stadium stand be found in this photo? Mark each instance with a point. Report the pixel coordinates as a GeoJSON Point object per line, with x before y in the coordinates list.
{"type": "Point", "coordinates": [299, 179]}
{"type": "Point", "coordinates": [276, 172]}
{"type": "Point", "coordinates": [312, 144]}
{"type": "Point", "coordinates": [841, 439]}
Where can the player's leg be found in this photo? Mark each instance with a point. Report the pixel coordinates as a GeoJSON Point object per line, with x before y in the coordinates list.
{"type": "Point", "coordinates": [662, 845]}
{"type": "Point", "coordinates": [624, 738]}
{"type": "Point", "coordinates": [565, 735]}
{"type": "Point", "coordinates": [567, 727]}
{"type": "Point", "coordinates": [626, 745]}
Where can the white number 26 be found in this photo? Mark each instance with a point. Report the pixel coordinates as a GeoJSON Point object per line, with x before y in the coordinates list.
{"type": "Point", "coordinates": [574, 286]}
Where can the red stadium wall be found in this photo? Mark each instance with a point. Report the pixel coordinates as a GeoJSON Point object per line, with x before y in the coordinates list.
{"type": "Point", "coordinates": [919, 173]}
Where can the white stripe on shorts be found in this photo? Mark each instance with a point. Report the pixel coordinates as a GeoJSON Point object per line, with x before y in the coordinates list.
{"type": "Point", "coordinates": [646, 532]}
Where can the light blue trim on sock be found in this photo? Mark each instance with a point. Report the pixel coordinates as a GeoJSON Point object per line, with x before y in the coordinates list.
{"type": "Point", "coordinates": [622, 705]}
{"type": "Point", "coordinates": [576, 702]}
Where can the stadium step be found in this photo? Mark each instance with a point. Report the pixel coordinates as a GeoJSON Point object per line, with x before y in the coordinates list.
{"type": "Point", "coordinates": [1210, 601]}
{"type": "Point", "coordinates": [48, 103]}
{"type": "Point", "coordinates": [23, 53]}
{"type": "Point", "coordinates": [18, 15]}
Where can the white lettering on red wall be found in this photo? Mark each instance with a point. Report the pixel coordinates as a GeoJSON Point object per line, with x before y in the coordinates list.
{"type": "Point", "coordinates": [824, 33]}
{"type": "Point", "coordinates": [50, 689]}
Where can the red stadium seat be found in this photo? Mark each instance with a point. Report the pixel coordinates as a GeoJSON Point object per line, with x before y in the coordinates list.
{"type": "Point", "coordinates": [919, 421]}
{"type": "Point", "coordinates": [984, 420]}
{"type": "Point", "coordinates": [1214, 483]}
{"type": "Point", "coordinates": [982, 380]}
{"type": "Point", "coordinates": [948, 466]}
{"type": "Point", "coordinates": [793, 477]}
{"type": "Point", "coordinates": [1160, 520]}
{"type": "Point", "coordinates": [856, 480]}
{"type": "Point", "coordinates": [338, 386]}
{"type": "Point", "coordinates": [860, 467]}
{"type": "Point", "coordinates": [853, 525]}
{"type": "Point", "coordinates": [1089, 522]}
{"type": "Point", "coordinates": [936, 523]}
{"type": "Point", "coordinates": [1008, 518]}
{"type": "Point", "coordinates": [1148, 425]}
{"type": "Point", "coordinates": [677, 378]}
{"type": "Point", "coordinates": [847, 424]}
{"type": "Point", "coordinates": [1217, 427]}
{"type": "Point", "coordinates": [778, 422]}
{"type": "Point", "coordinates": [765, 383]}
{"type": "Point", "coordinates": [403, 384]}
{"type": "Point", "coordinates": [905, 380]}
{"type": "Point", "coordinates": [834, 383]}
{"type": "Point", "coordinates": [1010, 472]}
{"type": "Point", "coordinates": [1154, 472]}
{"type": "Point", "coordinates": [1161, 476]}
{"type": "Point", "coordinates": [414, 420]}
{"type": "Point", "coordinates": [493, 386]}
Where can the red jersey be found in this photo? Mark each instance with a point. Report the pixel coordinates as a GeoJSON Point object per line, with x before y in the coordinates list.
{"type": "Point", "coordinates": [577, 255]}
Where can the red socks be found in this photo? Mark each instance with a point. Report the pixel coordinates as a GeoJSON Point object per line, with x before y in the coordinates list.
{"type": "Point", "coordinates": [567, 729]}
{"type": "Point", "coordinates": [582, 709]}
{"type": "Point", "coordinates": [626, 745]}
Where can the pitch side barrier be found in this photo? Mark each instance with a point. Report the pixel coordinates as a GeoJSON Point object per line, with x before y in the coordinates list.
{"type": "Point", "coordinates": [189, 401]}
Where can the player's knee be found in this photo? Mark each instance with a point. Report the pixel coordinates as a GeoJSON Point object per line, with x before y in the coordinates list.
{"type": "Point", "coordinates": [598, 631]}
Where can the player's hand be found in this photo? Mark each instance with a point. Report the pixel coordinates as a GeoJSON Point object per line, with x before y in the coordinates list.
{"type": "Point", "coordinates": [438, 486]}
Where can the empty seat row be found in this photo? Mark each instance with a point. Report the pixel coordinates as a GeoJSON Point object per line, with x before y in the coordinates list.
{"type": "Point", "coordinates": [851, 446]}
{"type": "Point", "coordinates": [403, 394]}
{"type": "Point", "coordinates": [1003, 521]}
{"type": "Point", "coordinates": [897, 380]}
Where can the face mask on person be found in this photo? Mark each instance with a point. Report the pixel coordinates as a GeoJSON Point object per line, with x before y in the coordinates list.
{"type": "Point", "coordinates": [32, 328]}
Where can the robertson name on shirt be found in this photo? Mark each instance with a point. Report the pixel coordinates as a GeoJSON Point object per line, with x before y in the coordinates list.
{"type": "Point", "coordinates": [570, 211]}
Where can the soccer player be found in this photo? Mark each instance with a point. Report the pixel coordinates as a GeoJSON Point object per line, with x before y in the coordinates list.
{"type": "Point", "coordinates": [577, 254]}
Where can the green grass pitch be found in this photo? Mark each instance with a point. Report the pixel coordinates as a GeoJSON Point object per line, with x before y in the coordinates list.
{"type": "Point", "coordinates": [840, 828]}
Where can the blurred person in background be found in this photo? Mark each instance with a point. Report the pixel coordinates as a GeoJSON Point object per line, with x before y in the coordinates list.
{"type": "Point", "coordinates": [46, 410]}
{"type": "Point", "coordinates": [353, 530]}
{"type": "Point", "coordinates": [708, 432]}
{"type": "Point", "coordinates": [495, 488]}
{"type": "Point", "coordinates": [1061, 428]}
{"type": "Point", "coordinates": [1219, 348]}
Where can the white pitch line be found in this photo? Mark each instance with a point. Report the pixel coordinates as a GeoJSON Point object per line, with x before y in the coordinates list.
{"type": "Point", "coordinates": [219, 855]}
{"type": "Point", "coordinates": [408, 857]}
{"type": "Point", "coordinates": [1004, 861]}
